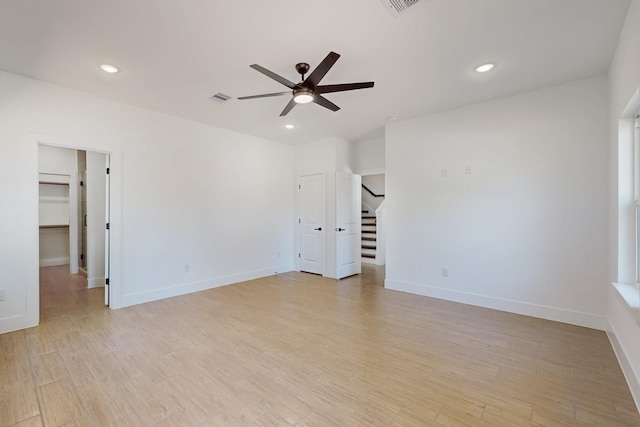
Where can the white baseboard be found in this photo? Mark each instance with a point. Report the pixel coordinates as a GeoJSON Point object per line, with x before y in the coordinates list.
{"type": "Point", "coordinates": [49, 262]}
{"type": "Point", "coordinates": [535, 310]}
{"type": "Point", "coordinates": [96, 282]}
{"type": "Point", "coordinates": [200, 285]}
{"type": "Point", "coordinates": [632, 379]}
{"type": "Point", "coordinates": [15, 323]}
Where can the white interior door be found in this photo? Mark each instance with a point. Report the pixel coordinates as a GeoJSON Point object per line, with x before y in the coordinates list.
{"type": "Point", "coordinates": [312, 223]}
{"type": "Point", "coordinates": [107, 247]}
{"type": "Point", "coordinates": [96, 220]}
{"type": "Point", "coordinates": [348, 224]}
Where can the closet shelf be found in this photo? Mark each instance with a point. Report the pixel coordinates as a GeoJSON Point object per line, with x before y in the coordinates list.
{"type": "Point", "coordinates": [54, 199]}
{"type": "Point", "coordinates": [53, 183]}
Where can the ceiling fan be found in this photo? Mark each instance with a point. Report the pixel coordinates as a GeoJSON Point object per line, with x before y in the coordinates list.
{"type": "Point", "coordinates": [309, 89]}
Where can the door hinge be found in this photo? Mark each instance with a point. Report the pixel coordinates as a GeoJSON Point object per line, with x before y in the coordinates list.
{"type": "Point", "coordinates": [299, 187]}
{"type": "Point", "coordinates": [106, 281]}
{"type": "Point", "coordinates": [108, 226]}
{"type": "Point", "coordinates": [299, 221]}
{"type": "Point", "coordinates": [108, 171]}
{"type": "Point", "coordinates": [298, 254]}
{"type": "Point", "coordinates": [81, 183]}
{"type": "Point", "coordinates": [81, 256]}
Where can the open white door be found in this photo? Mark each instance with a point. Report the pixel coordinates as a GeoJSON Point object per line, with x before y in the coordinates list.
{"type": "Point", "coordinates": [312, 190]}
{"type": "Point", "coordinates": [107, 250]}
{"type": "Point", "coordinates": [348, 224]}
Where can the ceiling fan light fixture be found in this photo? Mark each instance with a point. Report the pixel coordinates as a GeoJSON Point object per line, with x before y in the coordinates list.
{"type": "Point", "coordinates": [303, 96]}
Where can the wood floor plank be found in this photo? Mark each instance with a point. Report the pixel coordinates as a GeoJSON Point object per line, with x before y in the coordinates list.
{"type": "Point", "coordinates": [303, 350]}
{"type": "Point", "coordinates": [31, 422]}
{"type": "Point", "coordinates": [60, 403]}
{"type": "Point", "coordinates": [18, 402]}
{"type": "Point", "coordinates": [48, 367]}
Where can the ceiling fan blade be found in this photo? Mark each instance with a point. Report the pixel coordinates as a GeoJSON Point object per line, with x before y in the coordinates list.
{"type": "Point", "coordinates": [288, 108]}
{"type": "Point", "coordinates": [343, 87]}
{"type": "Point", "coordinates": [321, 100]}
{"type": "Point", "coordinates": [266, 95]}
{"type": "Point", "coordinates": [320, 71]}
{"type": "Point", "coordinates": [274, 76]}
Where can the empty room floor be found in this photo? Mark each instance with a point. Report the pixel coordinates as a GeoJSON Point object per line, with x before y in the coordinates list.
{"type": "Point", "coordinates": [299, 349]}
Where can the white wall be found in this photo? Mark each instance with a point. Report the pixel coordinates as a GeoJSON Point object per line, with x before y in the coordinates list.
{"type": "Point", "coordinates": [54, 247]}
{"type": "Point", "coordinates": [526, 230]}
{"type": "Point", "coordinates": [182, 193]}
{"type": "Point", "coordinates": [375, 183]}
{"type": "Point", "coordinates": [624, 80]}
{"type": "Point", "coordinates": [369, 155]}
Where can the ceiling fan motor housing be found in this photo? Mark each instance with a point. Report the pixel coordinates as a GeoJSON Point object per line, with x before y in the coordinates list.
{"type": "Point", "coordinates": [302, 68]}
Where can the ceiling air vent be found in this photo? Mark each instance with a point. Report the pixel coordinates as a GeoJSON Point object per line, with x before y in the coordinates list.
{"type": "Point", "coordinates": [396, 7]}
{"type": "Point", "coordinates": [221, 97]}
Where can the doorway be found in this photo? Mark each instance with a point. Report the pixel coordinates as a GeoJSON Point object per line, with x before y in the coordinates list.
{"type": "Point", "coordinates": [373, 226]}
{"type": "Point", "coordinates": [78, 213]}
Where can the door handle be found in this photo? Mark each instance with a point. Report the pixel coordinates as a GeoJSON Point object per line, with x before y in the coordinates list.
{"type": "Point", "coordinates": [85, 220]}
{"type": "Point", "coordinates": [318, 229]}
{"type": "Point", "coordinates": [340, 229]}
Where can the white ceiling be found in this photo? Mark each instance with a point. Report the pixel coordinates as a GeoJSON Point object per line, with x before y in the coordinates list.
{"type": "Point", "coordinates": [174, 54]}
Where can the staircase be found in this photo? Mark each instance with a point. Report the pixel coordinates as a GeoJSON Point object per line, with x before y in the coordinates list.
{"type": "Point", "coordinates": [368, 236]}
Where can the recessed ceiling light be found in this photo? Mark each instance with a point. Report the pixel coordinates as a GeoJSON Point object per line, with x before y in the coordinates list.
{"type": "Point", "coordinates": [484, 68]}
{"type": "Point", "coordinates": [109, 68]}
{"type": "Point", "coordinates": [289, 126]}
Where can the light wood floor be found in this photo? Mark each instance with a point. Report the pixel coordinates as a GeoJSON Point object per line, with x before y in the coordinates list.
{"type": "Point", "coordinates": [298, 349]}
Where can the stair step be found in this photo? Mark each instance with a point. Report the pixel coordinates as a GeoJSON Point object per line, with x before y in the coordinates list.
{"type": "Point", "coordinates": [368, 256]}
{"type": "Point", "coordinates": [368, 246]}
{"type": "Point", "coordinates": [369, 239]}
{"type": "Point", "coordinates": [369, 251]}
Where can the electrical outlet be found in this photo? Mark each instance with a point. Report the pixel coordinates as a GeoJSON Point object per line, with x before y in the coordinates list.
{"type": "Point", "coordinates": [443, 172]}
{"type": "Point", "coordinates": [1, 294]}
{"type": "Point", "coordinates": [468, 169]}
{"type": "Point", "coordinates": [445, 271]}
{"type": "Point", "coordinates": [187, 268]}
